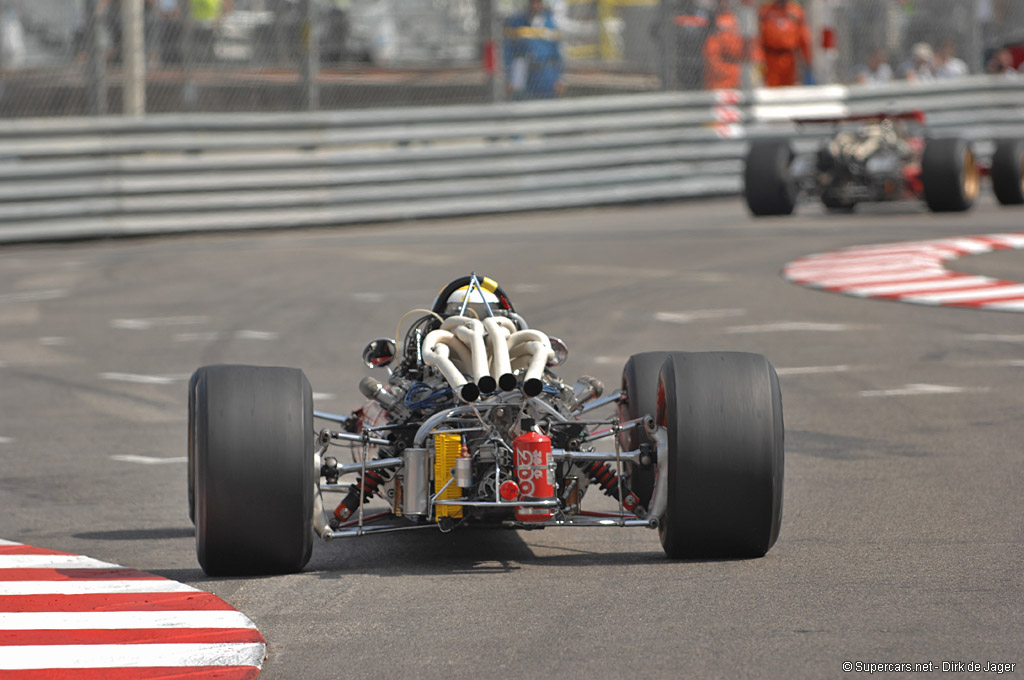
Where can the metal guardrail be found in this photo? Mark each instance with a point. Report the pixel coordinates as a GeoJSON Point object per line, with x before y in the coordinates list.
{"type": "Point", "coordinates": [84, 178]}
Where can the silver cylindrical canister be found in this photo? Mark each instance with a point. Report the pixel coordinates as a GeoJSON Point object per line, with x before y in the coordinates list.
{"type": "Point", "coordinates": [415, 482]}
{"type": "Point", "coordinates": [464, 472]}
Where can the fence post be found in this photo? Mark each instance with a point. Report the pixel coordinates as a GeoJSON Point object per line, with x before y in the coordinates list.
{"type": "Point", "coordinates": [96, 62]}
{"type": "Point", "coordinates": [189, 87]}
{"type": "Point", "coordinates": [310, 52]}
{"type": "Point", "coordinates": [133, 89]}
{"type": "Point", "coordinates": [496, 26]}
{"type": "Point", "coordinates": [666, 40]}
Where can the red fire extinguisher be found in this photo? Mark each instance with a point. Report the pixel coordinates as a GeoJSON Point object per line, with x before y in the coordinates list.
{"type": "Point", "coordinates": [535, 471]}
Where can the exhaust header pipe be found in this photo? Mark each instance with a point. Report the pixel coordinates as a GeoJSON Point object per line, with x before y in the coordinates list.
{"type": "Point", "coordinates": [438, 348]}
{"type": "Point", "coordinates": [471, 333]}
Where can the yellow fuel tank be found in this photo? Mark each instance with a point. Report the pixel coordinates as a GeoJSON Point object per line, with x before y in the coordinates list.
{"type": "Point", "coordinates": [446, 449]}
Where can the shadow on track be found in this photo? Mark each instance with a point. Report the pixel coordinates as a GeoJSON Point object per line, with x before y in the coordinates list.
{"type": "Point", "coordinates": [138, 534]}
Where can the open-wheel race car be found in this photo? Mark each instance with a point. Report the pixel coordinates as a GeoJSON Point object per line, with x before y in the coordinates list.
{"type": "Point", "coordinates": [471, 428]}
{"type": "Point", "coordinates": [878, 160]}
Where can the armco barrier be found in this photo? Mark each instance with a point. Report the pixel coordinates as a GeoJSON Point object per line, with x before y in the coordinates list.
{"type": "Point", "coordinates": [82, 178]}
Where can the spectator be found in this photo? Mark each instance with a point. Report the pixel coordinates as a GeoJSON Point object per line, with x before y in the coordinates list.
{"type": "Point", "coordinates": [784, 38]}
{"type": "Point", "coordinates": [876, 69]}
{"type": "Point", "coordinates": [206, 17]}
{"type": "Point", "coordinates": [920, 67]}
{"type": "Point", "coordinates": [1001, 63]}
{"type": "Point", "coordinates": [947, 64]}
{"type": "Point", "coordinates": [533, 54]}
{"type": "Point", "coordinates": [12, 38]}
{"type": "Point", "coordinates": [110, 10]}
{"type": "Point", "coordinates": [164, 34]}
{"type": "Point", "coordinates": [724, 51]}
{"type": "Point", "coordinates": [693, 24]}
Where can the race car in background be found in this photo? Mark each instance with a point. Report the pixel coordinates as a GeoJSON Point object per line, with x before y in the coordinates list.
{"type": "Point", "coordinates": [874, 159]}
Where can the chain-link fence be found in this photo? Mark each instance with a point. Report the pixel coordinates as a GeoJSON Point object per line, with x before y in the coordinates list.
{"type": "Point", "coordinates": [78, 57]}
{"type": "Point", "coordinates": [923, 38]}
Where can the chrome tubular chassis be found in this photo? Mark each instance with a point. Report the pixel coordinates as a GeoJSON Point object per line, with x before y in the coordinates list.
{"type": "Point", "coordinates": [385, 522]}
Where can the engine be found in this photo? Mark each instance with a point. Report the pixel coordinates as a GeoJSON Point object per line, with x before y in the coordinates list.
{"type": "Point", "coordinates": [482, 428]}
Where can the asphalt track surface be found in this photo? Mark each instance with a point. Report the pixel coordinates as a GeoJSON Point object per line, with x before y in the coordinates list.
{"type": "Point", "coordinates": [903, 531]}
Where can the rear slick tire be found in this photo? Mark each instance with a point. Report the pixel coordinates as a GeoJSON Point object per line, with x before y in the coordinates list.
{"type": "Point", "coordinates": [723, 412]}
{"type": "Point", "coordinates": [768, 184]}
{"type": "Point", "coordinates": [191, 473]}
{"type": "Point", "coordinates": [950, 175]}
{"type": "Point", "coordinates": [253, 470]}
{"type": "Point", "coordinates": [1008, 172]}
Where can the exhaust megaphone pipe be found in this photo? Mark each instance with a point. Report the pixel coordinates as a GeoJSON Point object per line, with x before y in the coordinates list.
{"type": "Point", "coordinates": [469, 392]}
{"type": "Point", "coordinates": [487, 384]}
{"type": "Point", "coordinates": [471, 333]}
{"type": "Point", "coordinates": [498, 331]}
{"type": "Point", "coordinates": [507, 382]}
{"type": "Point", "coordinates": [437, 349]}
{"type": "Point", "coordinates": [533, 386]}
{"type": "Point", "coordinates": [535, 347]}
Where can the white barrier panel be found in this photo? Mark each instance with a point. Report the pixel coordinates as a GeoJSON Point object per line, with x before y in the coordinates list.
{"type": "Point", "coordinates": [95, 177]}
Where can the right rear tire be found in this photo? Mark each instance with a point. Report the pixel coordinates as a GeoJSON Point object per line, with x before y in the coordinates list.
{"type": "Point", "coordinates": [723, 413]}
{"type": "Point", "coordinates": [1008, 171]}
{"type": "Point", "coordinates": [640, 383]}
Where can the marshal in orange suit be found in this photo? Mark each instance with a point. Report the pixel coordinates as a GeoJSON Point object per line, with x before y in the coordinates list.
{"type": "Point", "coordinates": [784, 35]}
{"type": "Point", "coordinates": [724, 52]}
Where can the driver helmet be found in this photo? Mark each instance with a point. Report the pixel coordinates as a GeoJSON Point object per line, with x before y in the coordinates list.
{"type": "Point", "coordinates": [476, 302]}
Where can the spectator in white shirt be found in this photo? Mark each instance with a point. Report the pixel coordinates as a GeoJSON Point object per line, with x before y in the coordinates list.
{"type": "Point", "coordinates": [876, 69]}
{"type": "Point", "coordinates": [947, 64]}
{"type": "Point", "coordinates": [919, 68]}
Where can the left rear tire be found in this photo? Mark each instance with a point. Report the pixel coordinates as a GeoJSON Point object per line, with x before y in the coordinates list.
{"type": "Point", "coordinates": [254, 477]}
{"type": "Point", "coordinates": [192, 443]}
{"type": "Point", "coordinates": [950, 175]}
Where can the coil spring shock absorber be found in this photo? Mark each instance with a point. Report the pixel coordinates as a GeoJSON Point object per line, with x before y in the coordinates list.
{"type": "Point", "coordinates": [603, 474]}
{"type": "Point", "coordinates": [369, 485]}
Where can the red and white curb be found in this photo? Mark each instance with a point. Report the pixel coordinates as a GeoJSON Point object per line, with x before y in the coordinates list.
{"type": "Point", "coordinates": [74, 617]}
{"type": "Point", "coordinates": [913, 272]}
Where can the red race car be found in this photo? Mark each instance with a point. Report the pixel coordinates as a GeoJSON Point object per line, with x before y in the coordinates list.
{"type": "Point", "coordinates": [876, 158]}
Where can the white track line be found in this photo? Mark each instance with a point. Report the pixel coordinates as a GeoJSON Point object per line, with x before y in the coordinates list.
{"type": "Point", "coordinates": [146, 324]}
{"type": "Point", "coordinates": [995, 337]}
{"type": "Point", "coordinates": [813, 370]}
{"type": "Point", "coordinates": [698, 315]}
{"type": "Point", "coordinates": [218, 618]}
{"type": "Point", "coordinates": [786, 326]}
{"type": "Point", "coordinates": [144, 379]}
{"type": "Point", "coordinates": [148, 460]}
{"type": "Point", "coordinates": [52, 562]}
{"type": "Point", "coordinates": [131, 656]}
{"type": "Point", "coordinates": [921, 389]}
{"type": "Point", "coordinates": [33, 296]}
{"type": "Point", "coordinates": [100, 586]}
{"type": "Point", "coordinates": [210, 336]}
{"type": "Point", "coordinates": [913, 272]}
